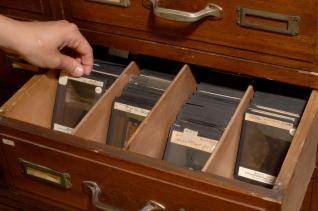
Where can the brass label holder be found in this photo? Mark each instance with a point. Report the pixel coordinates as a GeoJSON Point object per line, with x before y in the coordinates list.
{"type": "Point", "coordinates": [292, 22]}
{"type": "Point", "coordinates": [122, 3]}
{"type": "Point", "coordinates": [45, 174]}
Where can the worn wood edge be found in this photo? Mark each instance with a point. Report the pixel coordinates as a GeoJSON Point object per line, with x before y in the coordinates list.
{"type": "Point", "coordinates": [94, 125]}
{"type": "Point", "coordinates": [34, 102]}
{"type": "Point", "coordinates": [222, 160]}
{"type": "Point", "coordinates": [297, 169]}
{"type": "Point", "coordinates": [150, 138]}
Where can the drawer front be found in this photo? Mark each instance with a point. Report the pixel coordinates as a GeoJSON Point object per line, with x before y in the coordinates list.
{"type": "Point", "coordinates": [222, 35]}
{"type": "Point", "coordinates": [26, 9]}
{"type": "Point", "coordinates": [119, 187]}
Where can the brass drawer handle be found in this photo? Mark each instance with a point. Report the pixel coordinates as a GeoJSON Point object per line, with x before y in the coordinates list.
{"type": "Point", "coordinates": [211, 10]}
{"type": "Point", "coordinates": [152, 206]}
{"type": "Point", "coordinates": [96, 191]}
{"type": "Point", "coordinates": [123, 3]}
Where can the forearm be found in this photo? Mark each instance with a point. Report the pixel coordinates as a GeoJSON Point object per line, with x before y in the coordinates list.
{"type": "Point", "coordinates": [8, 32]}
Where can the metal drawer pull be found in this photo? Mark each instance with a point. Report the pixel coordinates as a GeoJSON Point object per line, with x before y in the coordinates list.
{"type": "Point", "coordinates": [152, 206]}
{"type": "Point", "coordinates": [211, 10]}
{"type": "Point", "coordinates": [123, 3]}
{"type": "Point", "coordinates": [95, 191]}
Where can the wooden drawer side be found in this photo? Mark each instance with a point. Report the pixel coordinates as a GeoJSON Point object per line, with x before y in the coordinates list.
{"type": "Point", "coordinates": [299, 163]}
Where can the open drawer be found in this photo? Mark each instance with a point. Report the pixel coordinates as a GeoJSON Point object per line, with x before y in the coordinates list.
{"type": "Point", "coordinates": [57, 166]}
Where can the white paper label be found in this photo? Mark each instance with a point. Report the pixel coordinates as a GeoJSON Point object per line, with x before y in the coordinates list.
{"type": "Point", "coordinates": [216, 94]}
{"type": "Point", "coordinates": [43, 175]}
{"type": "Point", "coordinates": [273, 114]}
{"type": "Point", "coordinates": [268, 121]}
{"type": "Point", "coordinates": [277, 111]}
{"type": "Point", "coordinates": [63, 128]}
{"type": "Point", "coordinates": [190, 138]}
{"type": "Point", "coordinates": [131, 109]}
{"type": "Point", "coordinates": [8, 142]}
{"type": "Point", "coordinates": [256, 175]}
{"type": "Point", "coordinates": [117, 52]}
{"type": "Point", "coordinates": [64, 77]}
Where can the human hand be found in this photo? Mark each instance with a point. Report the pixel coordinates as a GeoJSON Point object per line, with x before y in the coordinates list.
{"type": "Point", "coordinates": [40, 43]}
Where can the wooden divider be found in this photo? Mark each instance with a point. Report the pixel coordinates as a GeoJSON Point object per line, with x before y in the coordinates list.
{"type": "Point", "coordinates": [34, 102]}
{"type": "Point", "coordinates": [151, 136]}
{"type": "Point", "coordinates": [94, 125]}
{"type": "Point", "coordinates": [223, 158]}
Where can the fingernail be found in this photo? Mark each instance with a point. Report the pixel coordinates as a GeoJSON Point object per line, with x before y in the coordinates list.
{"type": "Point", "coordinates": [78, 71]}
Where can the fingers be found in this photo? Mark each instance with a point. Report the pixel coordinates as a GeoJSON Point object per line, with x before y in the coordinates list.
{"type": "Point", "coordinates": [71, 65]}
{"type": "Point", "coordinates": [86, 55]}
{"type": "Point", "coordinates": [82, 47]}
{"type": "Point", "coordinates": [54, 36]}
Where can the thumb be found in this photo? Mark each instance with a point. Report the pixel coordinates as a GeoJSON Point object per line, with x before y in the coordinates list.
{"type": "Point", "coordinates": [71, 65]}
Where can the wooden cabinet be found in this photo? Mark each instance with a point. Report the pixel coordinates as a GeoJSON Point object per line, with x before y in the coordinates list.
{"type": "Point", "coordinates": [217, 43]}
{"type": "Point", "coordinates": [63, 171]}
{"type": "Point", "coordinates": [217, 35]}
{"type": "Point", "coordinates": [28, 10]}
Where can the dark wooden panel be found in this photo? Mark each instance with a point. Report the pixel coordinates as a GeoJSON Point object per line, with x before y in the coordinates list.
{"type": "Point", "coordinates": [306, 206]}
{"type": "Point", "coordinates": [2, 170]}
{"type": "Point", "coordinates": [7, 208]}
{"type": "Point", "coordinates": [36, 6]}
{"type": "Point", "coordinates": [27, 202]}
{"type": "Point", "coordinates": [27, 9]}
{"type": "Point", "coordinates": [11, 79]}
